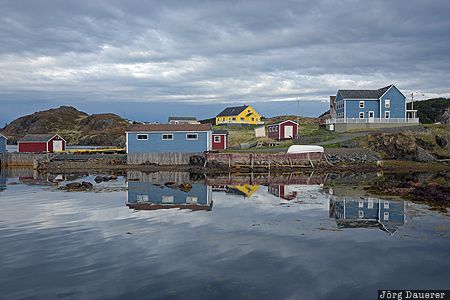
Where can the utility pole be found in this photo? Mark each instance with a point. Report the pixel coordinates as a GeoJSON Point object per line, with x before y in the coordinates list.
{"type": "Point", "coordinates": [412, 101]}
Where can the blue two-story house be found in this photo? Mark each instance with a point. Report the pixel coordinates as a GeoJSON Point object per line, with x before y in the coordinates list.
{"type": "Point", "coordinates": [365, 109]}
{"type": "Point", "coordinates": [2, 143]}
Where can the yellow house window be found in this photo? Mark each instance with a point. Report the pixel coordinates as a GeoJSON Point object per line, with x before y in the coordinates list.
{"type": "Point", "coordinates": [223, 119]}
{"type": "Point", "coordinates": [253, 119]}
{"type": "Point", "coordinates": [234, 119]}
{"type": "Point", "coordinates": [242, 119]}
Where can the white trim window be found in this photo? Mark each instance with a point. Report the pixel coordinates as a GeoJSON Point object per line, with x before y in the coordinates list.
{"type": "Point", "coordinates": [387, 103]}
{"type": "Point", "coordinates": [361, 115]}
{"type": "Point", "coordinates": [360, 203]}
{"type": "Point", "coordinates": [167, 199]}
{"type": "Point", "coordinates": [361, 104]}
{"type": "Point", "coordinates": [167, 136]}
{"type": "Point", "coordinates": [386, 216]}
{"type": "Point", "coordinates": [141, 137]}
{"type": "Point", "coordinates": [387, 114]}
{"type": "Point", "coordinates": [191, 200]}
{"type": "Point", "coordinates": [386, 204]}
{"type": "Point", "coordinates": [360, 214]}
{"type": "Point", "coordinates": [217, 139]}
{"type": "Point", "coordinates": [191, 136]}
{"type": "Point", "coordinates": [141, 198]}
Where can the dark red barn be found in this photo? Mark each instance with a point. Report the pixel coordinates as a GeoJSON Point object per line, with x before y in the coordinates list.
{"type": "Point", "coordinates": [219, 139]}
{"type": "Point", "coordinates": [39, 143]}
{"type": "Point", "coordinates": [283, 131]}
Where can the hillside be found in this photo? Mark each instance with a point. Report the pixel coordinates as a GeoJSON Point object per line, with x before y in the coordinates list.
{"type": "Point", "coordinates": [429, 110]}
{"type": "Point", "coordinates": [75, 126]}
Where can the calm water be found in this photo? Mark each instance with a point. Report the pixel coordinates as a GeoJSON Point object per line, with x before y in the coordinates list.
{"type": "Point", "coordinates": [222, 238]}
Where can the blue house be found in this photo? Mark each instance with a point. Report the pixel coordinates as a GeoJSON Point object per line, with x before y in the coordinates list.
{"type": "Point", "coordinates": [3, 140]}
{"type": "Point", "coordinates": [168, 138]}
{"type": "Point", "coordinates": [151, 196]}
{"type": "Point", "coordinates": [387, 215]}
{"type": "Point", "coordinates": [361, 109]}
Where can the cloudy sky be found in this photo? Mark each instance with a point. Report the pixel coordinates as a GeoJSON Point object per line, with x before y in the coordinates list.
{"type": "Point", "coordinates": [149, 59]}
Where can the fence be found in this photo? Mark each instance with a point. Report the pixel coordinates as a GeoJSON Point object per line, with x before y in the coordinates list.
{"type": "Point", "coordinates": [373, 120]}
{"type": "Point", "coordinates": [266, 160]}
{"type": "Point", "coordinates": [21, 159]}
{"type": "Point", "coordinates": [169, 158]}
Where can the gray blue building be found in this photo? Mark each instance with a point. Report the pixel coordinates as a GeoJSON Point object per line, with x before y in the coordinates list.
{"type": "Point", "coordinates": [387, 215]}
{"type": "Point", "coordinates": [165, 138]}
{"type": "Point", "coordinates": [150, 196]}
{"type": "Point", "coordinates": [360, 109]}
{"type": "Point", "coordinates": [3, 140]}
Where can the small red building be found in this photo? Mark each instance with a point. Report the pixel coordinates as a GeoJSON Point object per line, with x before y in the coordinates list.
{"type": "Point", "coordinates": [39, 143]}
{"type": "Point", "coordinates": [219, 139]}
{"type": "Point", "coordinates": [283, 131]}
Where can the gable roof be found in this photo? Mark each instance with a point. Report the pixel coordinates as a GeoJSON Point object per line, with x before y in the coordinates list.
{"type": "Point", "coordinates": [364, 94]}
{"type": "Point", "coordinates": [37, 137]}
{"type": "Point", "coordinates": [285, 121]}
{"type": "Point", "coordinates": [169, 127]}
{"type": "Point", "coordinates": [232, 111]}
{"type": "Point", "coordinates": [183, 118]}
{"type": "Point", "coordinates": [1, 135]}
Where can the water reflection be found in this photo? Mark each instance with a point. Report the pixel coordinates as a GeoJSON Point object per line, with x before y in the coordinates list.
{"type": "Point", "coordinates": [163, 191]}
{"type": "Point", "coordinates": [387, 215]}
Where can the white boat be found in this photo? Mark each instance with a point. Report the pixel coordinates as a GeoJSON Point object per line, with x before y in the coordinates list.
{"type": "Point", "coordinates": [305, 149]}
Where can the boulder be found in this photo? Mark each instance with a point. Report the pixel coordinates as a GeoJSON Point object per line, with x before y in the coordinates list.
{"type": "Point", "coordinates": [98, 179]}
{"type": "Point", "coordinates": [73, 185]}
{"type": "Point", "coordinates": [87, 185]}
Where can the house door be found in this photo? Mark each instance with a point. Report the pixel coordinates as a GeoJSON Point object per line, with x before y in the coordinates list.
{"type": "Point", "coordinates": [57, 146]}
{"type": "Point", "coordinates": [288, 132]}
{"type": "Point", "coordinates": [371, 116]}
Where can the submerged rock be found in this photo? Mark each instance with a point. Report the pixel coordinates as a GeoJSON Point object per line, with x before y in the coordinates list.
{"type": "Point", "coordinates": [99, 179]}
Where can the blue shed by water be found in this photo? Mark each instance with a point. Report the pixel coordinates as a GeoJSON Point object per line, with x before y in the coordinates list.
{"type": "Point", "coordinates": [3, 140]}
{"type": "Point", "coordinates": [164, 138]}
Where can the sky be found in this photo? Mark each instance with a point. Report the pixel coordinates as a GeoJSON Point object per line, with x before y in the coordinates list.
{"type": "Point", "coordinates": [146, 60]}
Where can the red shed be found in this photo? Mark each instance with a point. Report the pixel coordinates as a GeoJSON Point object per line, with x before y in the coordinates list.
{"type": "Point", "coordinates": [38, 143]}
{"type": "Point", "coordinates": [219, 139]}
{"type": "Point", "coordinates": [283, 131]}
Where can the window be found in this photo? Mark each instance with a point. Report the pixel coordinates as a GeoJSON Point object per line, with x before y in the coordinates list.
{"type": "Point", "coordinates": [361, 115]}
{"type": "Point", "coordinates": [142, 137]}
{"type": "Point", "coordinates": [387, 103]}
{"type": "Point", "coordinates": [253, 119]}
{"type": "Point", "coordinates": [141, 198]}
{"type": "Point", "coordinates": [361, 104]}
{"type": "Point", "coordinates": [387, 114]}
{"type": "Point", "coordinates": [234, 119]}
{"type": "Point", "coordinates": [386, 216]}
{"type": "Point", "coordinates": [217, 139]}
{"type": "Point", "coordinates": [223, 119]}
{"type": "Point", "coordinates": [167, 199]}
{"type": "Point", "coordinates": [370, 203]}
{"type": "Point", "coordinates": [360, 203]}
{"type": "Point", "coordinates": [167, 137]}
{"type": "Point", "coordinates": [360, 214]}
{"type": "Point", "coordinates": [386, 204]}
{"type": "Point", "coordinates": [249, 111]}
{"type": "Point", "coordinates": [191, 200]}
{"type": "Point", "coordinates": [242, 119]}
{"type": "Point", "coordinates": [191, 136]}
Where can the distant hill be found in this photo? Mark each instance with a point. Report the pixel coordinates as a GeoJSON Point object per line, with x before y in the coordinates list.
{"type": "Point", "coordinates": [429, 110]}
{"type": "Point", "coordinates": [75, 126]}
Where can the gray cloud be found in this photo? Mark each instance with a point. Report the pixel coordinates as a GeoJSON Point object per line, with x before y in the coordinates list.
{"type": "Point", "coordinates": [220, 51]}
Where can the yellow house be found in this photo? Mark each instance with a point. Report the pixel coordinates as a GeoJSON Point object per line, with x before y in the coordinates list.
{"type": "Point", "coordinates": [239, 115]}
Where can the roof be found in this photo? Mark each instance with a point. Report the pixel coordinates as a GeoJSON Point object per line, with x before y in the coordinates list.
{"type": "Point", "coordinates": [232, 111]}
{"type": "Point", "coordinates": [169, 127]}
{"type": "Point", "coordinates": [285, 121]}
{"type": "Point", "coordinates": [183, 118]}
{"type": "Point", "coordinates": [364, 94]}
{"type": "Point", "coordinates": [37, 138]}
{"type": "Point", "coordinates": [1, 135]}
{"type": "Point", "coordinates": [220, 131]}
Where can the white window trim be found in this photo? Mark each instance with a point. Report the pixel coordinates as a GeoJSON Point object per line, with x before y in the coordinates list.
{"type": "Point", "coordinates": [162, 136]}
{"type": "Point", "coordinates": [167, 199]}
{"type": "Point", "coordinates": [386, 204]}
{"type": "Point", "coordinates": [363, 104]}
{"type": "Point", "coordinates": [387, 103]}
{"type": "Point", "coordinates": [192, 139]}
{"type": "Point", "coordinates": [387, 112]}
{"type": "Point", "coordinates": [217, 139]}
{"type": "Point", "coordinates": [361, 115]}
{"type": "Point", "coordinates": [360, 203]}
{"type": "Point", "coordinates": [137, 137]}
{"type": "Point", "coordinates": [386, 216]}
{"type": "Point", "coordinates": [360, 214]}
{"type": "Point", "coordinates": [373, 114]}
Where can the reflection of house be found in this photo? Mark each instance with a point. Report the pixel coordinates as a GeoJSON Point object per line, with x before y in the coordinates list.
{"type": "Point", "coordinates": [245, 190]}
{"type": "Point", "coordinates": [238, 115]}
{"type": "Point", "coordinates": [183, 120]}
{"type": "Point", "coordinates": [388, 215]}
{"type": "Point", "coordinates": [38, 143]}
{"type": "Point", "coordinates": [2, 184]}
{"type": "Point", "coordinates": [149, 196]}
